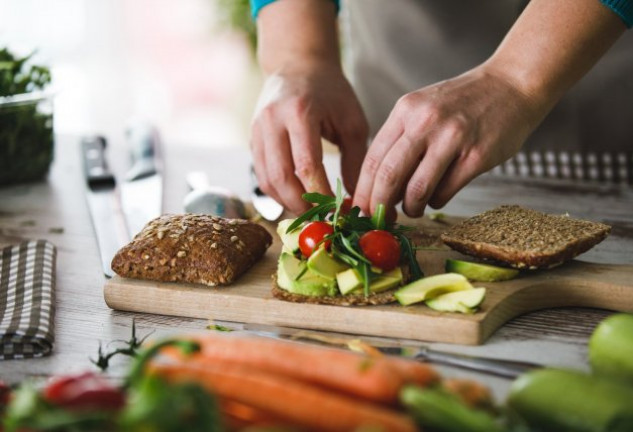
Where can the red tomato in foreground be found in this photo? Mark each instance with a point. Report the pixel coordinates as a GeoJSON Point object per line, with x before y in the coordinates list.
{"type": "Point", "coordinates": [312, 234]}
{"type": "Point", "coordinates": [84, 391]}
{"type": "Point", "coordinates": [381, 248]}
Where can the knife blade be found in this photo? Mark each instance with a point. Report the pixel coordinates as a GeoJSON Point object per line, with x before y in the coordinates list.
{"type": "Point", "coordinates": [142, 191]}
{"type": "Point", "coordinates": [499, 367]}
{"type": "Point", "coordinates": [266, 206]}
{"type": "Point", "coordinates": [103, 202]}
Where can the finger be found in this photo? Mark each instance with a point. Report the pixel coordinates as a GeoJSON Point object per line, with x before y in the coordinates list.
{"type": "Point", "coordinates": [307, 156]}
{"type": "Point", "coordinates": [461, 172]}
{"type": "Point", "coordinates": [353, 146]}
{"type": "Point", "coordinates": [259, 162]}
{"type": "Point", "coordinates": [395, 169]}
{"type": "Point", "coordinates": [424, 180]}
{"type": "Point", "coordinates": [280, 169]}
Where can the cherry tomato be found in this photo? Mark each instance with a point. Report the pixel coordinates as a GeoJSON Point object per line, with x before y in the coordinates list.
{"type": "Point", "coordinates": [312, 234]}
{"type": "Point", "coordinates": [381, 248]}
{"type": "Point", "coordinates": [346, 206]}
{"type": "Point", "coordinates": [84, 391]}
{"type": "Point", "coordinates": [5, 395]}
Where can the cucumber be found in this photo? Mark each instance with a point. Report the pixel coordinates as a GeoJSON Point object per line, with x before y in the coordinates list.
{"type": "Point", "coordinates": [480, 272]}
{"type": "Point", "coordinates": [565, 400]}
{"type": "Point", "coordinates": [445, 412]}
{"type": "Point", "coordinates": [459, 301]}
{"type": "Point", "coordinates": [611, 348]}
{"type": "Point", "coordinates": [432, 286]}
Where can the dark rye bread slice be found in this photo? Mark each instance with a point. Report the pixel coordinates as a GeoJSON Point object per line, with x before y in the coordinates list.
{"type": "Point", "coordinates": [524, 238]}
{"type": "Point", "coordinates": [192, 248]}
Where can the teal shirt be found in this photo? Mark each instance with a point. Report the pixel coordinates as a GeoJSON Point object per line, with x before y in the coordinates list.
{"type": "Point", "coordinates": [257, 5]}
{"type": "Point", "coordinates": [623, 8]}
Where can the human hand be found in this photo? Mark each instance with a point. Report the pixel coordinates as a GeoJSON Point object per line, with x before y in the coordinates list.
{"type": "Point", "coordinates": [438, 138]}
{"type": "Point", "coordinates": [295, 109]}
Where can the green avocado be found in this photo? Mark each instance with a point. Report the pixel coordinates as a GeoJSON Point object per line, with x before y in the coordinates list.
{"type": "Point", "coordinates": [324, 265]}
{"type": "Point", "coordinates": [349, 281]}
{"type": "Point", "coordinates": [294, 277]}
{"type": "Point", "coordinates": [465, 301]}
{"type": "Point", "coordinates": [432, 286]}
{"type": "Point", "coordinates": [290, 241]}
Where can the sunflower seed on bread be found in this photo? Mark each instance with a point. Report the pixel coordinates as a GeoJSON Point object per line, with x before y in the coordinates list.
{"type": "Point", "coordinates": [524, 238]}
{"type": "Point", "coordinates": [193, 248]}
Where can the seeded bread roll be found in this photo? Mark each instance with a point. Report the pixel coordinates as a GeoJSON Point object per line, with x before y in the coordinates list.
{"type": "Point", "coordinates": [524, 238]}
{"type": "Point", "coordinates": [192, 248]}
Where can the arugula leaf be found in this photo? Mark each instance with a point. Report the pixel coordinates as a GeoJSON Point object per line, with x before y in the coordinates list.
{"type": "Point", "coordinates": [317, 198]}
{"type": "Point", "coordinates": [320, 210]}
{"type": "Point", "coordinates": [378, 218]}
{"type": "Point", "coordinates": [338, 201]}
{"type": "Point", "coordinates": [407, 248]}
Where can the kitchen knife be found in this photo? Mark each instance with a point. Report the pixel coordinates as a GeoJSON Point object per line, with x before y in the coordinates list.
{"type": "Point", "coordinates": [103, 202]}
{"type": "Point", "coordinates": [502, 368]}
{"type": "Point", "coordinates": [266, 206]}
{"type": "Point", "coordinates": [142, 191]}
{"type": "Point", "coordinates": [206, 199]}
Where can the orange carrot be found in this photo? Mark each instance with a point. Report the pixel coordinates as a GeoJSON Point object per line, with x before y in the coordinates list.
{"type": "Point", "coordinates": [375, 379]}
{"type": "Point", "coordinates": [238, 416]}
{"type": "Point", "coordinates": [472, 393]}
{"type": "Point", "coordinates": [414, 372]}
{"type": "Point", "coordinates": [297, 402]}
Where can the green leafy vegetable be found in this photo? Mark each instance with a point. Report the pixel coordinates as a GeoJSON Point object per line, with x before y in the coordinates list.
{"type": "Point", "coordinates": [129, 349]}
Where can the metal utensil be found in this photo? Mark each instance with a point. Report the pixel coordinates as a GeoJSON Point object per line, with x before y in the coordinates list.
{"type": "Point", "coordinates": [103, 202]}
{"type": "Point", "coordinates": [142, 192]}
{"type": "Point", "coordinates": [499, 367]}
{"type": "Point", "coordinates": [206, 199]}
{"type": "Point", "coordinates": [266, 206]}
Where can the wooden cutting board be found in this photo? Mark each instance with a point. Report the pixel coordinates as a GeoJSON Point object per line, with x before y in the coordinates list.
{"type": "Point", "coordinates": [249, 300]}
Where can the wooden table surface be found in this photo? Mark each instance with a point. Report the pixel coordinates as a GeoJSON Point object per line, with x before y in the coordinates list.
{"type": "Point", "coordinates": [56, 210]}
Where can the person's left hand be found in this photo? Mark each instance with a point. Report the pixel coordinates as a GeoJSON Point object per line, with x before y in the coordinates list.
{"type": "Point", "coordinates": [440, 137]}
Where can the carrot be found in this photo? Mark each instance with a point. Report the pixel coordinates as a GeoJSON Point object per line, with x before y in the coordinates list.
{"type": "Point", "coordinates": [297, 402]}
{"type": "Point", "coordinates": [472, 393]}
{"type": "Point", "coordinates": [238, 416]}
{"type": "Point", "coordinates": [414, 372]}
{"type": "Point", "coordinates": [375, 379]}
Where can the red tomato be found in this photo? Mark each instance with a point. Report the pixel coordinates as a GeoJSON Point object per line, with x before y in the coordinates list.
{"type": "Point", "coordinates": [312, 234]}
{"type": "Point", "coordinates": [381, 248]}
{"type": "Point", "coordinates": [84, 391]}
{"type": "Point", "coordinates": [5, 395]}
{"type": "Point", "coordinates": [346, 206]}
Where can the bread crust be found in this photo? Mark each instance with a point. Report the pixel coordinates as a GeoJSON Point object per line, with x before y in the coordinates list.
{"type": "Point", "coordinates": [192, 248]}
{"type": "Point", "coordinates": [524, 238]}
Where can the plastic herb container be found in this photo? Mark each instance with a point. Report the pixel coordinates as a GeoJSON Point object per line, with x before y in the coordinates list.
{"type": "Point", "coordinates": [26, 120]}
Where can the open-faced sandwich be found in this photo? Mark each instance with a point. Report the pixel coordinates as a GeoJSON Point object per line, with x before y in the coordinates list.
{"type": "Point", "coordinates": [333, 255]}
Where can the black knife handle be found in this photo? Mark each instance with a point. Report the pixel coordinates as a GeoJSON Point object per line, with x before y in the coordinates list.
{"type": "Point", "coordinates": [98, 175]}
{"type": "Point", "coordinates": [143, 143]}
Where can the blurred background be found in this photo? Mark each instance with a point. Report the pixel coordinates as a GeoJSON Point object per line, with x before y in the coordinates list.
{"type": "Point", "coordinates": [187, 66]}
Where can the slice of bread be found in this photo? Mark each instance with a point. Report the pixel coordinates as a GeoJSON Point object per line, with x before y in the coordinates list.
{"type": "Point", "coordinates": [524, 238]}
{"type": "Point", "coordinates": [193, 248]}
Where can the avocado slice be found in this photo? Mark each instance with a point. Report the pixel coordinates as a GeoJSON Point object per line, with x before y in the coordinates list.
{"type": "Point", "coordinates": [294, 277]}
{"type": "Point", "coordinates": [350, 281]}
{"type": "Point", "coordinates": [289, 240]}
{"type": "Point", "coordinates": [611, 348]}
{"type": "Point", "coordinates": [432, 286]}
{"type": "Point", "coordinates": [480, 272]}
{"type": "Point", "coordinates": [459, 301]}
{"type": "Point", "coordinates": [325, 265]}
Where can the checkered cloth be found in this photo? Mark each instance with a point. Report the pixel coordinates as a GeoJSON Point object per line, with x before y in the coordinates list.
{"type": "Point", "coordinates": [27, 282]}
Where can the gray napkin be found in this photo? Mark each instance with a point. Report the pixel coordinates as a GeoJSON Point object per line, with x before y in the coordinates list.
{"type": "Point", "coordinates": [27, 283]}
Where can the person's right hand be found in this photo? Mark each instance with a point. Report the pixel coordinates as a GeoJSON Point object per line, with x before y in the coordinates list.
{"type": "Point", "coordinates": [295, 110]}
